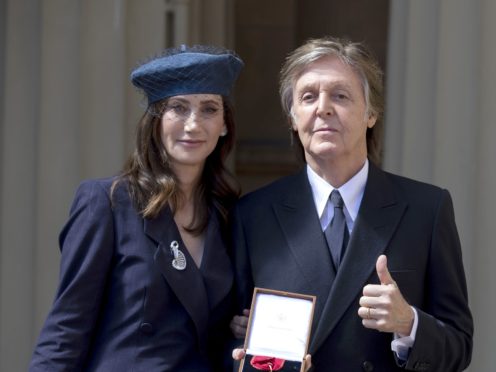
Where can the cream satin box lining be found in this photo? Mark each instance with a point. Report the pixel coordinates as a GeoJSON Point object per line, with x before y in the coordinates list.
{"type": "Point", "coordinates": [279, 324]}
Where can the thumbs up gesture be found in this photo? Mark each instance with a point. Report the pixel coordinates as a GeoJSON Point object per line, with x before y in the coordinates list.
{"type": "Point", "coordinates": [382, 306]}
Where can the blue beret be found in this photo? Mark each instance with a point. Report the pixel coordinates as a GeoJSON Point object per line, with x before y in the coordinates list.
{"type": "Point", "coordinates": [188, 71]}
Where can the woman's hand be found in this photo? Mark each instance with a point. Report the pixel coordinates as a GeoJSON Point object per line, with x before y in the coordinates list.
{"type": "Point", "coordinates": [307, 363]}
{"type": "Point", "coordinates": [238, 354]}
{"type": "Point", "coordinates": [239, 324]}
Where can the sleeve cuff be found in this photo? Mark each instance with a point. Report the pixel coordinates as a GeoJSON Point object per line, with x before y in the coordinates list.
{"type": "Point", "coordinates": [401, 345]}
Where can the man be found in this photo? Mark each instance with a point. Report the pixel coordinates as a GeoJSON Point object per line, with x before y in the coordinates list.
{"type": "Point", "coordinates": [380, 252]}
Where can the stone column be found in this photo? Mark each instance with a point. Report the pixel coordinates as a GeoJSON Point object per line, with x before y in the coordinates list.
{"type": "Point", "coordinates": [440, 129]}
{"type": "Point", "coordinates": [62, 121]}
{"type": "Point", "coordinates": [19, 199]}
{"type": "Point", "coordinates": [483, 270]}
{"type": "Point", "coordinates": [58, 164]}
{"type": "Point", "coordinates": [103, 83]}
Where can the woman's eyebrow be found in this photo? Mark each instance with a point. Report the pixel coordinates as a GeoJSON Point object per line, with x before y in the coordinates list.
{"type": "Point", "coordinates": [211, 101]}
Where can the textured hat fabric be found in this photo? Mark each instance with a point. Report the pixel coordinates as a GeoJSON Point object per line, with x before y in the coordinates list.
{"type": "Point", "coordinates": [188, 71]}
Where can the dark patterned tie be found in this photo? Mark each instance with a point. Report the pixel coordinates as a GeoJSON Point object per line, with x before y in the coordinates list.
{"type": "Point", "coordinates": [337, 233]}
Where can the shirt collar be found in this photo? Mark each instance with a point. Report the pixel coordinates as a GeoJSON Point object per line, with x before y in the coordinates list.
{"type": "Point", "coordinates": [351, 192]}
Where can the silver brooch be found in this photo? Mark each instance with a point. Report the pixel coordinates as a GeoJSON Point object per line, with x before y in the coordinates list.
{"type": "Point", "coordinates": [179, 261]}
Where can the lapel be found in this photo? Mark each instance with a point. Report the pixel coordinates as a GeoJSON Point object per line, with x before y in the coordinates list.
{"type": "Point", "coordinates": [187, 284]}
{"type": "Point", "coordinates": [300, 223]}
{"type": "Point", "coordinates": [379, 215]}
{"type": "Point", "coordinates": [216, 266]}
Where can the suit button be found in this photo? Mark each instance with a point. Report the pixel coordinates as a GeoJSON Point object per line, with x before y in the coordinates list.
{"type": "Point", "coordinates": [367, 366]}
{"type": "Point", "coordinates": [146, 328]}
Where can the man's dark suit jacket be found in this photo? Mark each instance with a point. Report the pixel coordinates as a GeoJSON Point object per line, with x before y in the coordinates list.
{"type": "Point", "coordinates": [121, 306]}
{"type": "Point", "coordinates": [279, 244]}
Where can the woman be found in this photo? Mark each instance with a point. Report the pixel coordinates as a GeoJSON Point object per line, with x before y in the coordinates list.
{"type": "Point", "coordinates": [145, 280]}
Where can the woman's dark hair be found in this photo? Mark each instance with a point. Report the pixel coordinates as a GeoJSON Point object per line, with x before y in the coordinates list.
{"type": "Point", "coordinates": [153, 186]}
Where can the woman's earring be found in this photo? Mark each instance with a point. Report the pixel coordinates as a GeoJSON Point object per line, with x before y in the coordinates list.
{"type": "Point", "coordinates": [224, 132]}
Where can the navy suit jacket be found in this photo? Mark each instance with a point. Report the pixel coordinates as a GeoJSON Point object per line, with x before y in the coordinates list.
{"type": "Point", "coordinates": [120, 305]}
{"type": "Point", "coordinates": [278, 243]}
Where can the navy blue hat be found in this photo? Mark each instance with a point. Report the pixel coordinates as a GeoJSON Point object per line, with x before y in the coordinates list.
{"type": "Point", "coordinates": [195, 70]}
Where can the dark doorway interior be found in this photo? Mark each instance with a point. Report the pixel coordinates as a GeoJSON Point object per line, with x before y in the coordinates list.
{"type": "Point", "coordinates": [265, 31]}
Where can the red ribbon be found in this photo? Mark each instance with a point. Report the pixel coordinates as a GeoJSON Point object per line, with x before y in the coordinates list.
{"type": "Point", "coordinates": [265, 363]}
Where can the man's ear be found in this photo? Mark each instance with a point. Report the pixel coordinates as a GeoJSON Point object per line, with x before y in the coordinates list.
{"type": "Point", "coordinates": [292, 118]}
{"type": "Point", "coordinates": [371, 120]}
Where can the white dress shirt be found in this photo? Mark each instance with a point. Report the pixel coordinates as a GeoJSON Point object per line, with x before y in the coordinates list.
{"type": "Point", "coordinates": [351, 192]}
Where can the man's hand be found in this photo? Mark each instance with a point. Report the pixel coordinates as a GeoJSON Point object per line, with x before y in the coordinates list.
{"type": "Point", "coordinates": [383, 307]}
{"type": "Point", "coordinates": [239, 324]}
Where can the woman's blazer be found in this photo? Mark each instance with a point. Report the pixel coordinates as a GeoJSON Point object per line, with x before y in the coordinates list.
{"type": "Point", "coordinates": [121, 305]}
{"type": "Point", "coordinates": [278, 243]}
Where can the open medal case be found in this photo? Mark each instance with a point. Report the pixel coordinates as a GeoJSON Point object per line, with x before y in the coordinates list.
{"type": "Point", "coordinates": [278, 331]}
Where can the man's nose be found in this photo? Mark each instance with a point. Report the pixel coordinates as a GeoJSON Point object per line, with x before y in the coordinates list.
{"type": "Point", "coordinates": [324, 107]}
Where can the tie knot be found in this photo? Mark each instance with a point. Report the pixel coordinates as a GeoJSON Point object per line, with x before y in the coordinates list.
{"type": "Point", "coordinates": [336, 199]}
